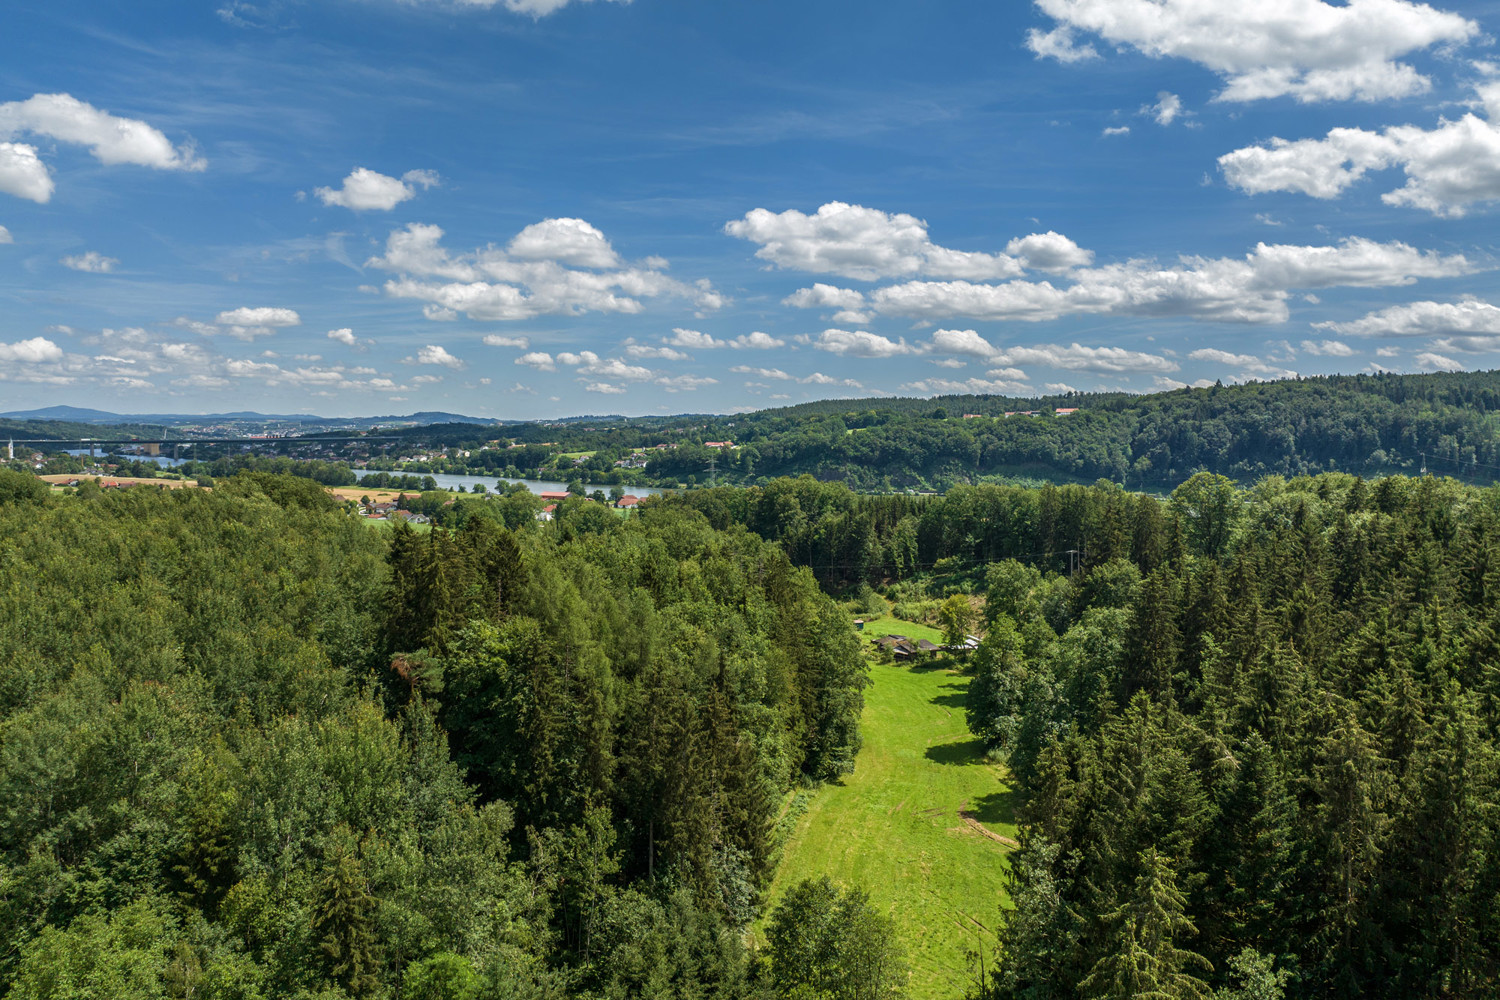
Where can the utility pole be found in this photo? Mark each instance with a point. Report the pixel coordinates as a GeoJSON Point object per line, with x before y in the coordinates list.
{"type": "Point", "coordinates": [1072, 562]}
{"type": "Point", "coordinates": [713, 468]}
{"type": "Point", "coordinates": [1424, 462]}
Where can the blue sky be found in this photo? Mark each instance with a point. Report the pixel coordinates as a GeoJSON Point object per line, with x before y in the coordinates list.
{"type": "Point", "coordinates": [532, 208]}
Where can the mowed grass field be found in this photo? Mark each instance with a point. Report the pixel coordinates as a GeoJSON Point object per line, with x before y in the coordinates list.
{"type": "Point", "coordinates": [894, 827]}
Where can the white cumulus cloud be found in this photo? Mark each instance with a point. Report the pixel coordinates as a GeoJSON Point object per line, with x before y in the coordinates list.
{"type": "Point", "coordinates": [1248, 364]}
{"type": "Point", "coordinates": [1468, 317]}
{"type": "Point", "coordinates": [861, 243]}
{"type": "Point", "coordinates": [540, 360]}
{"type": "Point", "coordinates": [567, 241]}
{"type": "Point", "coordinates": [244, 323]}
{"type": "Point", "coordinates": [1327, 348]}
{"type": "Point", "coordinates": [5, 236]}
{"type": "Point", "coordinates": [33, 351]}
{"type": "Point", "coordinates": [684, 383]}
{"type": "Point", "coordinates": [111, 139]}
{"type": "Point", "coordinates": [92, 262]}
{"type": "Point", "coordinates": [1077, 357]}
{"type": "Point", "coordinates": [23, 174]}
{"type": "Point", "coordinates": [498, 340]}
{"type": "Point", "coordinates": [1167, 108]}
{"type": "Point", "coordinates": [979, 386]}
{"type": "Point", "coordinates": [536, 9]}
{"type": "Point", "coordinates": [273, 316]}
{"type": "Point", "coordinates": [963, 342]}
{"type": "Point", "coordinates": [1306, 49]}
{"type": "Point", "coordinates": [495, 284]}
{"type": "Point", "coordinates": [1438, 362]}
{"type": "Point", "coordinates": [821, 296]}
{"type": "Point", "coordinates": [1448, 169]}
{"type": "Point", "coordinates": [659, 353]}
{"type": "Point", "coordinates": [859, 344]}
{"type": "Point", "coordinates": [366, 190]}
{"type": "Point", "coordinates": [1223, 357]}
{"type": "Point", "coordinates": [692, 339]}
{"type": "Point", "coordinates": [818, 378]}
{"type": "Point", "coordinates": [756, 341]}
{"type": "Point", "coordinates": [1059, 44]}
{"type": "Point", "coordinates": [432, 354]}
{"type": "Point", "coordinates": [1049, 251]}
{"type": "Point", "coordinates": [771, 373]}
{"type": "Point", "coordinates": [615, 368]}
{"type": "Point", "coordinates": [1252, 289]}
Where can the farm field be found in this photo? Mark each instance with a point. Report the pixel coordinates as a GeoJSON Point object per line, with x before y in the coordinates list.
{"type": "Point", "coordinates": [923, 824]}
{"type": "Point", "coordinates": [378, 496]}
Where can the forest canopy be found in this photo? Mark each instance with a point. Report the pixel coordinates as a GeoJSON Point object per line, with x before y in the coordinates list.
{"type": "Point", "coordinates": [250, 747]}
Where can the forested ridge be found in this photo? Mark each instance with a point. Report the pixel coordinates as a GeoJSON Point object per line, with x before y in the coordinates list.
{"type": "Point", "coordinates": [1367, 425]}
{"type": "Point", "coordinates": [252, 748]}
{"type": "Point", "coordinates": [1363, 424]}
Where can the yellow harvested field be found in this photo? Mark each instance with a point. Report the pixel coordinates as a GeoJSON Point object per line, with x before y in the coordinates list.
{"type": "Point", "coordinates": [378, 496]}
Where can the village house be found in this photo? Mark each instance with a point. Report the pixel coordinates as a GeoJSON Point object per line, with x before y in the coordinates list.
{"type": "Point", "coordinates": [900, 646]}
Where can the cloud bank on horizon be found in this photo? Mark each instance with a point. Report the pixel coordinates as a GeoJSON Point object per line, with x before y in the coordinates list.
{"type": "Point", "coordinates": [342, 206]}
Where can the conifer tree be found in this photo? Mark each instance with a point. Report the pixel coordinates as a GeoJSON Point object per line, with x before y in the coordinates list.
{"type": "Point", "coordinates": [344, 924]}
{"type": "Point", "coordinates": [1347, 839]}
{"type": "Point", "coordinates": [1152, 648]}
{"type": "Point", "coordinates": [1144, 959]}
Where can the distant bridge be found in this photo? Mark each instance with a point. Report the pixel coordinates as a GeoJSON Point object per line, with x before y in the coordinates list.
{"type": "Point", "coordinates": [153, 446]}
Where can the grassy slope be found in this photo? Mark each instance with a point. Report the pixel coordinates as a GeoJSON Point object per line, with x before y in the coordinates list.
{"type": "Point", "coordinates": [893, 827]}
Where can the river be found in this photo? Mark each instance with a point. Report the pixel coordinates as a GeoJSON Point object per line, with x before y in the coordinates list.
{"type": "Point", "coordinates": [446, 482]}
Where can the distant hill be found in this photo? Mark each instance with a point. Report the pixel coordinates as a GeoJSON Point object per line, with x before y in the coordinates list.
{"type": "Point", "coordinates": [434, 417]}
{"type": "Point", "coordinates": [71, 414]}
{"type": "Point", "coordinates": [1447, 423]}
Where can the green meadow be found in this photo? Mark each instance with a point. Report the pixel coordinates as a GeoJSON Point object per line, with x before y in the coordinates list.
{"type": "Point", "coordinates": [923, 824]}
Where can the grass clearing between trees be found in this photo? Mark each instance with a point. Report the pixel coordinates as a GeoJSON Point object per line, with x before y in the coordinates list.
{"type": "Point", "coordinates": [918, 825]}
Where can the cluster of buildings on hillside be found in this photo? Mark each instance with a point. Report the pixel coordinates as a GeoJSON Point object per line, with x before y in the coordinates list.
{"type": "Point", "coordinates": [904, 648]}
{"type": "Point", "coordinates": [1061, 411]}
{"type": "Point", "coordinates": [390, 510]}
{"type": "Point", "coordinates": [549, 512]}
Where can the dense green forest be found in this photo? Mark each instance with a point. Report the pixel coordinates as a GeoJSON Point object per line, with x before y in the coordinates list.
{"type": "Point", "coordinates": [250, 747]}
{"type": "Point", "coordinates": [1268, 755]}
{"type": "Point", "coordinates": [1253, 733]}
